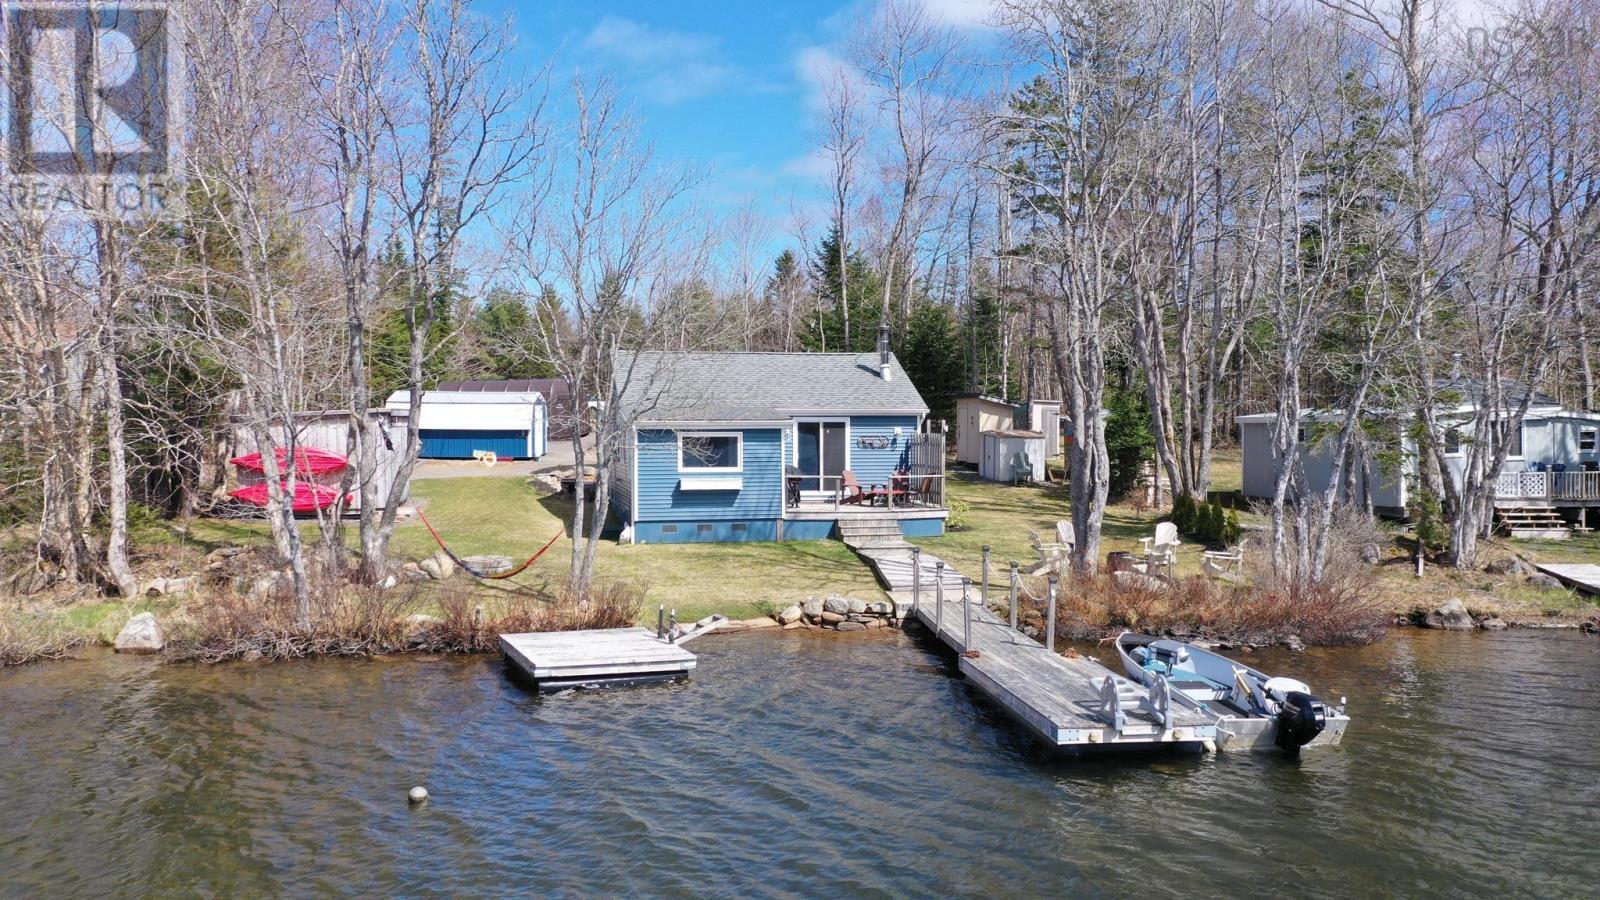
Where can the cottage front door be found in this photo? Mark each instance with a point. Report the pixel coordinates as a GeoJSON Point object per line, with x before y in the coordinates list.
{"type": "Point", "coordinates": [821, 454]}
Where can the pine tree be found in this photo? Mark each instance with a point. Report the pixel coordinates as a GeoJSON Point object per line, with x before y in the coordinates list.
{"type": "Point", "coordinates": [824, 329]}
{"type": "Point", "coordinates": [931, 355]}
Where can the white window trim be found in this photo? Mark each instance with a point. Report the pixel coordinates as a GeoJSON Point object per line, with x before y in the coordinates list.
{"type": "Point", "coordinates": [1594, 439]}
{"type": "Point", "coordinates": [716, 470]}
{"type": "Point", "coordinates": [1522, 441]}
{"type": "Point", "coordinates": [794, 434]}
{"type": "Point", "coordinates": [1461, 442]}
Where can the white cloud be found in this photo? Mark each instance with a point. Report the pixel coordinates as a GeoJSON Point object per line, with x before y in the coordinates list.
{"type": "Point", "coordinates": [962, 13]}
{"type": "Point", "coordinates": [818, 67]}
{"type": "Point", "coordinates": [666, 66]}
{"type": "Point", "coordinates": [814, 164]}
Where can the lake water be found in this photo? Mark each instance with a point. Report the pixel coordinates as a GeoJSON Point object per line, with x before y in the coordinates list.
{"type": "Point", "coordinates": [792, 765]}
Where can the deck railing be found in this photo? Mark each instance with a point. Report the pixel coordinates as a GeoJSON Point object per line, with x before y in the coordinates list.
{"type": "Point", "coordinates": [1548, 486]}
{"type": "Point", "coordinates": [917, 484]}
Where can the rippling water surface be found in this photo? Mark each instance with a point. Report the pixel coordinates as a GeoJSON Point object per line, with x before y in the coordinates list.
{"type": "Point", "coordinates": [792, 765]}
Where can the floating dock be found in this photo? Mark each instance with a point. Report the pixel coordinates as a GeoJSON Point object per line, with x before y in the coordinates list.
{"type": "Point", "coordinates": [555, 660]}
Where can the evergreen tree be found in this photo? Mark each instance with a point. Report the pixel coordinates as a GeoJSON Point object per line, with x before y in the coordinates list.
{"type": "Point", "coordinates": [505, 338]}
{"type": "Point", "coordinates": [930, 351]}
{"type": "Point", "coordinates": [824, 329]}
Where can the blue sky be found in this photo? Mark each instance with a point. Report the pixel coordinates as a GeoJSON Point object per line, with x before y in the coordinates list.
{"type": "Point", "coordinates": [729, 85]}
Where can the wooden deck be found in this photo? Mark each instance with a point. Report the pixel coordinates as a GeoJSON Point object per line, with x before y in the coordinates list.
{"type": "Point", "coordinates": [1583, 576]}
{"type": "Point", "coordinates": [1062, 701]}
{"type": "Point", "coordinates": [561, 659]}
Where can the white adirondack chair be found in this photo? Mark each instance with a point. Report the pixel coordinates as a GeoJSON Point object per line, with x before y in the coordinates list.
{"type": "Point", "coordinates": [1052, 556]}
{"type": "Point", "coordinates": [1227, 565]}
{"type": "Point", "coordinates": [1065, 536]}
{"type": "Point", "coordinates": [1162, 548]}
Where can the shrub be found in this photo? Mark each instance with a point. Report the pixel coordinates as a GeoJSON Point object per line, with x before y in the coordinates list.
{"type": "Point", "coordinates": [1231, 532]}
{"type": "Point", "coordinates": [958, 515]}
{"type": "Point", "coordinates": [29, 637]}
{"type": "Point", "coordinates": [1182, 512]}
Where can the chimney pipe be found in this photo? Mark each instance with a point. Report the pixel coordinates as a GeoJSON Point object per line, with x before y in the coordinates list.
{"type": "Point", "coordinates": [883, 350]}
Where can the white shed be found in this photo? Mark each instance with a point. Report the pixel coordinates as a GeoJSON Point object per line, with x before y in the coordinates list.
{"type": "Point", "coordinates": [1044, 416]}
{"type": "Point", "coordinates": [1005, 451]}
{"type": "Point", "coordinates": [458, 424]}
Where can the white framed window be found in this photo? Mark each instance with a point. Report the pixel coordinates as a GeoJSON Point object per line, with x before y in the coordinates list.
{"type": "Point", "coordinates": [710, 452]}
{"type": "Point", "coordinates": [1300, 434]}
{"type": "Point", "coordinates": [1586, 440]}
{"type": "Point", "coordinates": [1514, 439]}
{"type": "Point", "coordinates": [1452, 442]}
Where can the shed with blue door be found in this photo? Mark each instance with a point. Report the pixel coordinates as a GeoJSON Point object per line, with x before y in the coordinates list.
{"type": "Point", "coordinates": [774, 446]}
{"type": "Point", "coordinates": [464, 424]}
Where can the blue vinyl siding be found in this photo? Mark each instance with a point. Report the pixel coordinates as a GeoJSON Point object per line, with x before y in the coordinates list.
{"type": "Point", "coordinates": [808, 530]}
{"type": "Point", "coordinates": [658, 497]}
{"type": "Point", "coordinates": [916, 528]}
{"type": "Point", "coordinates": [450, 443]}
{"type": "Point", "coordinates": [876, 465]}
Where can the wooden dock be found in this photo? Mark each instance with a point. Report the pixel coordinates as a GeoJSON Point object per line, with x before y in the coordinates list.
{"type": "Point", "coordinates": [1583, 576]}
{"type": "Point", "coordinates": [555, 660]}
{"type": "Point", "coordinates": [1071, 704]}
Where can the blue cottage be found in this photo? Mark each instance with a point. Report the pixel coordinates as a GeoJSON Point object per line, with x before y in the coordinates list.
{"type": "Point", "coordinates": [774, 446]}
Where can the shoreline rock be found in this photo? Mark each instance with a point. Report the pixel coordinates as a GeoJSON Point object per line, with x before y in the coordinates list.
{"type": "Point", "coordinates": [142, 634]}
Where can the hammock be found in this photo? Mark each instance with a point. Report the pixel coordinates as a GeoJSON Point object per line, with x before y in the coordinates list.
{"type": "Point", "coordinates": [476, 574]}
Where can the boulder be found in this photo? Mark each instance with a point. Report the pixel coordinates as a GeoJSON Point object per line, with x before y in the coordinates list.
{"type": "Point", "coordinates": [142, 634]}
{"type": "Point", "coordinates": [752, 624]}
{"type": "Point", "coordinates": [873, 623]}
{"type": "Point", "coordinates": [1545, 581]}
{"type": "Point", "coordinates": [838, 605]}
{"type": "Point", "coordinates": [812, 608]}
{"type": "Point", "coordinates": [1591, 627]}
{"type": "Point", "coordinates": [1493, 623]}
{"type": "Point", "coordinates": [439, 566]}
{"type": "Point", "coordinates": [412, 572]}
{"type": "Point", "coordinates": [222, 553]}
{"type": "Point", "coordinates": [790, 615]}
{"type": "Point", "coordinates": [1370, 554]}
{"type": "Point", "coordinates": [160, 587]}
{"type": "Point", "coordinates": [794, 625]}
{"type": "Point", "coordinates": [1506, 565]}
{"type": "Point", "coordinates": [486, 564]}
{"type": "Point", "coordinates": [857, 606]}
{"type": "Point", "coordinates": [418, 625]}
{"type": "Point", "coordinates": [880, 608]}
{"type": "Point", "coordinates": [832, 618]}
{"type": "Point", "coordinates": [1452, 616]}
{"type": "Point", "coordinates": [851, 626]}
{"type": "Point", "coordinates": [1294, 643]}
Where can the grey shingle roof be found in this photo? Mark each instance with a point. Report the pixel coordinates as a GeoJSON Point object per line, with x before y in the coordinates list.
{"type": "Point", "coordinates": [1475, 390]}
{"type": "Point", "coordinates": [735, 387]}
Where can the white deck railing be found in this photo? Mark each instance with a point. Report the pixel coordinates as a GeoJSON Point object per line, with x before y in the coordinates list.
{"type": "Point", "coordinates": [1548, 486]}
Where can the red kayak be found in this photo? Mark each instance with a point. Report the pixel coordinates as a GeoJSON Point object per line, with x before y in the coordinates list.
{"type": "Point", "coordinates": [308, 461]}
{"type": "Point", "coordinates": [308, 497]}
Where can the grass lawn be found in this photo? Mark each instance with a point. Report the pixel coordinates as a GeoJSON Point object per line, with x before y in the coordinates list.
{"type": "Point", "coordinates": [508, 516]}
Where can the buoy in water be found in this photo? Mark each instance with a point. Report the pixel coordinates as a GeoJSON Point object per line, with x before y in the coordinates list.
{"type": "Point", "coordinates": [418, 795]}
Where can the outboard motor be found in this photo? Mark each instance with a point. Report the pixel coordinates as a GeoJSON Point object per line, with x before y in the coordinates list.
{"type": "Point", "coordinates": [1301, 717]}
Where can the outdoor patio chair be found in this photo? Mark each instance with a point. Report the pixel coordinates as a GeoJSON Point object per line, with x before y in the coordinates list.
{"type": "Point", "coordinates": [1021, 468]}
{"type": "Point", "coordinates": [1162, 549]}
{"type": "Point", "coordinates": [1065, 536]}
{"type": "Point", "coordinates": [1224, 564]}
{"type": "Point", "coordinates": [1052, 556]}
{"type": "Point", "coordinates": [850, 490]}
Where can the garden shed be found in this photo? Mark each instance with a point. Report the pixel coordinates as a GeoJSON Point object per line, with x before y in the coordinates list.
{"type": "Point", "coordinates": [1009, 453]}
{"type": "Point", "coordinates": [460, 424]}
{"type": "Point", "coordinates": [976, 414]}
